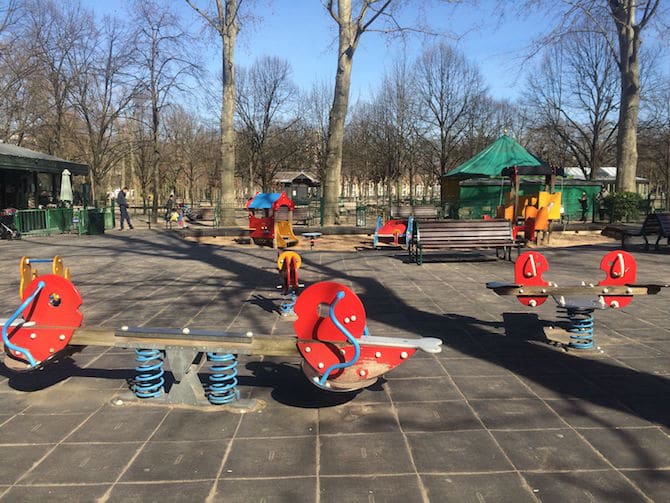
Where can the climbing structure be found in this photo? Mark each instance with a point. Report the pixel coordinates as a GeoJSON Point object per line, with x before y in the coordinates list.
{"type": "Point", "coordinates": [269, 219]}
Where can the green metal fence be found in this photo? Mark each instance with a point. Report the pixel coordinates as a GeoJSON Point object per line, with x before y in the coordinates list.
{"type": "Point", "coordinates": [62, 220]}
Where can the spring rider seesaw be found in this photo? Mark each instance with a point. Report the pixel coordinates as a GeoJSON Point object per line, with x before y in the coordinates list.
{"type": "Point", "coordinates": [331, 336]}
{"type": "Point", "coordinates": [578, 302]}
{"type": "Point", "coordinates": [288, 263]}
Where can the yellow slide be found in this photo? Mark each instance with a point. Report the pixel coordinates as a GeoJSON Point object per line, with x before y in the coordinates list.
{"type": "Point", "coordinates": [284, 236]}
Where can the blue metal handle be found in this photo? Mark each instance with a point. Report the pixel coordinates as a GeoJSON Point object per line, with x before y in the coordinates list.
{"type": "Point", "coordinates": [350, 338]}
{"type": "Point", "coordinates": [10, 320]}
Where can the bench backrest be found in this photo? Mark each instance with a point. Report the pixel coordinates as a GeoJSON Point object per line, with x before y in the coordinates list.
{"type": "Point", "coordinates": [454, 231]}
{"type": "Point", "coordinates": [301, 213]}
{"type": "Point", "coordinates": [422, 211]}
{"type": "Point", "coordinates": [657, 223]}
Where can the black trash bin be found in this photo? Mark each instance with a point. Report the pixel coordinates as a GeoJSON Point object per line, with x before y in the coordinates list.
{"type": "Point", "coordinates": [96, 221]}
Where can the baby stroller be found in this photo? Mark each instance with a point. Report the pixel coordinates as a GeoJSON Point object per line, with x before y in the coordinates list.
{"type": "Point", "coordinates": [7, 228]}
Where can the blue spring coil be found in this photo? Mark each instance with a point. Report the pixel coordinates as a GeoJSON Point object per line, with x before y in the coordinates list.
{"type": "Point", "coordinates": [580, 326]}
{"type": "Point", "coordinates": [149, 380]}
{"type": "Point", "coordinates": [222, 379]}
{"type": "Point", "coordinates": [286, 307]}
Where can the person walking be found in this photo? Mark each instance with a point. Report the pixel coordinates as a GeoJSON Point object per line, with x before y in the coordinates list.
{"type": "Point", "coordinates": [584, 202]}
{"type": "Point", "coordinates": [169, 204]}
{"type": "Point", "coordinates": [123, 207]}
{"type": "Point", "coordinates": [601, 202]}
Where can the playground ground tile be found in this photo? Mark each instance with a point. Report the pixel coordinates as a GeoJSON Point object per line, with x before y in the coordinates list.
{"type": "Point", "coordinates": [457, 452]}
{"type": "Point", "coordinates": [161, 491]}
{"type": "Point", "coordinates": [192, 425]}
{"type": "Point", "coordinates": [355, 418]}
{"type": "Point", "coordinates": [631, 448]}
{"type": "Point", "coordinates": [498, 415]}
{"type": "Point", "coordinates": [502, 487]}
{"type": "Point", "coordinates": [271, 457]}
{"type": "Point", "coordinates": [655, 365]}
{"type": "Point", "coordinates": [118, 424]}
{"type": "Point", "coordinates": [56, 493]}
{"type": "Point", "coordinates": [629, 383]}
{"type": "Point", "coordinates": [183, 460]}
{"type": "Point", "coordinates": [635, 349]}
{"type": "Point", "coordinates": [475, 367]}
{"type": "Point", "coordinates": [600, 413]}
{"type": "Point", "coordinates": [599, 485]}
{"type": "Point", "coordinates": [516, 414]}
{"type": "Point", "coordinates": [12, 402]}
{"type": "Point", "coordinates": [82, 463]}
{"type": "Point", "coordinates": [293, 489]}
{"type": "Point", "coordinates": [424, 389]}
{"type": "Point", "coordinates": [279, 422]}
{"type": "Point", "coordinates": [39, 428]}
{"type": "Point", "coordinates": [437, 416]}
{"type": "Point", "coordinates": [651, 409]}
{"type": "Point", "coordinates": [388, 488]}
{"type": "Point", "coordinates": [567, 386]}
{"type": "Point", "coordinates": [57, 400]}
{"type": "Point", "coordinates": [15, 460]}
{"type": "Point", "coordinates": [364, 454]}
{"type": "Point", "coordinates": [501, 386]}
{"type": "Point", "coordinates": [549, 450]}
{"type": "Point", "coordinates": [417, 367]}
{"type": "Point", "coordinates": [654, 483]}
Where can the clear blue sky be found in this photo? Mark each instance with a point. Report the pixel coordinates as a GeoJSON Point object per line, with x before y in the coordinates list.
{"type": "Point", "coordinates": [302, 32]}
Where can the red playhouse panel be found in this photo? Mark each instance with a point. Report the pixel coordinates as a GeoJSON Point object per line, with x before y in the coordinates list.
{"type": "Point", "coordinates": [262, 208]}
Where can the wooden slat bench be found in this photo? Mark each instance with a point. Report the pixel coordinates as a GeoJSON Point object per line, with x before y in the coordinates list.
{"type": "Point", "coordinates": [420, 212]}
{"type": "Point", "coordinates": [461, 234]}
{"type": "Point", "coordinates": [656, 224]}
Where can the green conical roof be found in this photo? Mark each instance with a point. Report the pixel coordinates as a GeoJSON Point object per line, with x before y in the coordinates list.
{"type": "Point", "coordinates": [502, 153]}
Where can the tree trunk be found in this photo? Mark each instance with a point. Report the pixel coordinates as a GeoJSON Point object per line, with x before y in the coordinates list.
{"type": "Point", "coordinates": [626, 146]}
{"type": "Point", "coordinates": [629, 46]}
{"type": "Point", "coordinates": [227, 198]}
{"type": "Point", "coordinates": [155, 160]}
{"type": "Point", "coordinates": [338, 114]}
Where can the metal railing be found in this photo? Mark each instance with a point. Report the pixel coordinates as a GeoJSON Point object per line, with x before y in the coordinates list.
{"type": "Point", "coordinates": [63, 220]}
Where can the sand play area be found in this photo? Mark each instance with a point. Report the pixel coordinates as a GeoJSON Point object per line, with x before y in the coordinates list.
{"type": "Point", "coordinates": [362, 242]}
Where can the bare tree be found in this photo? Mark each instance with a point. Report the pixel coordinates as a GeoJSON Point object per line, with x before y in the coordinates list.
{"type": "Point", "coordinates": [397, 121]}
{"type": "Point", "coordinates": [264, 93]}
{"type": "Point", "coordinates": [166, 63]}
{"type": "Point", "coordinates": [448, 87]}
{"type": "Point", "coordinates": [225, 21]}
{"type": "Point", "coordinates": [101, 92]}
{"type": "Point", "coordinates": [187, 141]}
{"type": "Point", "coordinates": [630, 18]}
{"type": "Point", "coordinates": [55, 30]}
{"type": "Point", "coordinates": [655, 141]}
{"type": "Point", "coordinates": [573, 92]}
{"type": "Point", "coordinates": [8, 14]}
{"type": "Point", "coordinates": [360, 149]}
{"type": "Point", "coordinates": [20, 94]}
{"type": "Point", "coordinates": [351, 28]}
{"type": "Point", "coordinates": [140, 148]}
{"type": "Point", "coordinates": [316, 112]}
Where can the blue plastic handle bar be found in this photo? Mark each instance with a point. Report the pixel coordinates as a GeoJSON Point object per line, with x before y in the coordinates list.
{"type": "Point", "coordinates": [10, 320]}
{"type": "Point", "coordinates": [350, 338]}
{"type": "Point", "coordinates": [38, 260]}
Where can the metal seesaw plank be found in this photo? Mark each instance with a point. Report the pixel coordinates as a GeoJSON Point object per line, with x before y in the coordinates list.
{"type": "Point", "coordinates": [260, 344]}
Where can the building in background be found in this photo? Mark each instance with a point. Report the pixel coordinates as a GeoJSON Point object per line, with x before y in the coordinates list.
{"type": "Point", "coordinates": [30, 179]}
